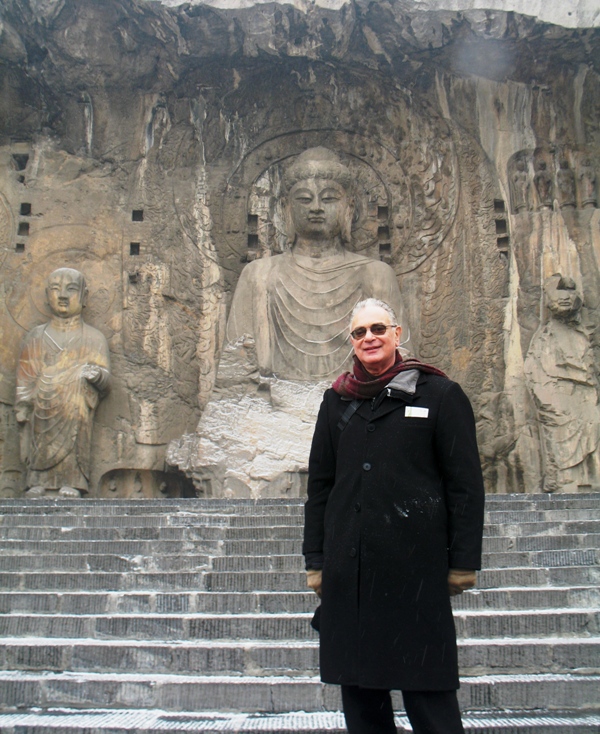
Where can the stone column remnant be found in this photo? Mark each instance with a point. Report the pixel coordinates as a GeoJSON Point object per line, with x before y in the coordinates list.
{"type": "Point", "coordinates": [62, 374]}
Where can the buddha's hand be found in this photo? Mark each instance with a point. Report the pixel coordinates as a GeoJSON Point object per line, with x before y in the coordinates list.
{"type": "Point", "coordinates": [460, 580]}
{"type": "Point", "coordinates": [314, 580]}
{"type": "Point", "coordinates": [91, 372]}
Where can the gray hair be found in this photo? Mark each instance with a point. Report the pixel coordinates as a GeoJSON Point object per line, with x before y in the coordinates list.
{"type": "Point", "coordinates": [370, 302]}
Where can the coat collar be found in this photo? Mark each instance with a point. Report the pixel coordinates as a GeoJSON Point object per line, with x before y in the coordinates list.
{"type": "Point", "coordinates": [401, 391]}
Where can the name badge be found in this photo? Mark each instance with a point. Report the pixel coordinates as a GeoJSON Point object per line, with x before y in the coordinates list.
{"type": "Point", "coordinates": [414, 412]}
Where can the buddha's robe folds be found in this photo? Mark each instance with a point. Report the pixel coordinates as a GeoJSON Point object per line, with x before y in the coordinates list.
{"type": "Point", "coordinates": [60, 403]}
{"type": "Point", "coordinates": [298, 309]}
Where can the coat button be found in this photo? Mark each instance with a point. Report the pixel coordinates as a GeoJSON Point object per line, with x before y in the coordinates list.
{"type": "Point", "coordinates": [367, 466]}
{"type": "Point", "coordinates": [357, 507]}
{"type": "Point", "coordinates": [370, 427]}
{"type": "Point", "coordinates": [352, 552]}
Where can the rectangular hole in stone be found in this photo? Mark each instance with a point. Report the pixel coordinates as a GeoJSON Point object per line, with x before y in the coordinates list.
{"type": "Point", "coordinates": [382, 213]}
{"type": "Point", "coordinates": [20, 247]}
{"type": "Point", "coordinates": [137, 215]}
{"type": "Point", "coordinates": [23, 229]}
{"type": "Point", "coordinates": [252, 222]}
{"type": "Point", "coordinates": [383, 233]}
{"type": "Point", "coordinates": [385, 249]}
{"type": "Point", "coordinates": [134, 277]}
{"type": "Point", "coordinates": [501, 226]}
{"type": "Point", "coordinates": [20, 160]}
{"type": "Point", "coordinates": [502, 243]}
{"type": "Point", "coordinates": [253, 242]}
{"type": "Point", "coordinates": [499, 207]}
{"type": "Point", "coordinates": [25, 210]}
{"type": "Point", "coordinates": [134, 248]}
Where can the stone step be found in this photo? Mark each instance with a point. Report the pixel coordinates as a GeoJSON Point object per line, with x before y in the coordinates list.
{"type": "Point", "coordinates": [286, 657]}
{"type": "Point", "coordinates": [263, 506]}
{"type": "Point", "coordinates": [187, 531]}
{"type": "Point", "coordinates": [140, 721]}
{"type": "Point", "coordinates": [275, 694]}
{"type": "Point", "coordinates": [268, 602]}
{"type": "Point", "coordinates": [246, 520]}
{"type": "Point", "coordinates": [208, 534]}
{"type": "Point", "coordinates": [91, 563]}
{"type": "Point", "coordinates": [539, 542]}
{"type": "Point", "coordinates": [109, 547]}
{"type": "Point", "coordinates": [131, 602]}
{"type": "Point", "coordinates": [235, 581]}
{"type": "Point", "coordinates": [469, 624]}
{"type": "Point", "coordinates": [486, 579]}
{"type": "Point", "coordinates": [510, 559]}
{"type": "Point", "coordinates": [100, 581]}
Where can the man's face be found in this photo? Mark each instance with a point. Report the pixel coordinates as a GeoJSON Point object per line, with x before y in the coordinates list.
{"type": "Point", "coordinates": [377, 353]}
{"type": "Point", "coordinates": [318, 207]}
{"type": "Point", "coordinates": [65, 294]}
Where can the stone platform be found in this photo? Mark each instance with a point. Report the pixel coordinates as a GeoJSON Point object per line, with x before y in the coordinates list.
{"type": "Point", "coordinates": [191, 615]}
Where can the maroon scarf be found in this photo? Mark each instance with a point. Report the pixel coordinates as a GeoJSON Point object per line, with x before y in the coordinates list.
{"type": "Point", "coordinates": [361, 385]}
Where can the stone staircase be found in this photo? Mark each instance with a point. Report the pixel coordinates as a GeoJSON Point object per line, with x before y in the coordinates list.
{"type": "Point", "coordinates": [162, 616]}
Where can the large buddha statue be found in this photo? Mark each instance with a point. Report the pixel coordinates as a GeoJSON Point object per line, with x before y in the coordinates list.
{"type": "Point", "coordinates": [286, 339]}
{"type": "Point", "coordinates": [62, 373]}
{"type": "Point", "coordinates": [296, 306]}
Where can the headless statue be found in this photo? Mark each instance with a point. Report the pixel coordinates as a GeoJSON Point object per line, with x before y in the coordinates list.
{"type": "Point", "coordinates": [63, 372]}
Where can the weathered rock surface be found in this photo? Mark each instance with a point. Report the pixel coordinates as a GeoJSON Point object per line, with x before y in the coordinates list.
{"type": "Point", "coordinates": [139, 141]}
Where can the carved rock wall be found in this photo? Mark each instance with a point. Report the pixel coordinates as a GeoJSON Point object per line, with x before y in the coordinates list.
{"type": "Point", "coordinates": [142, 145]}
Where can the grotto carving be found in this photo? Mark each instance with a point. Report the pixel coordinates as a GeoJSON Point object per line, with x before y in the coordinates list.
{"type": "Point", "coordinates": [296, 306]}
{"type": "Point", "coordinates": [545, 178]}
{"type": "Point", "coordinates": [560, 373]}
{"type": "Point", "coordinates": [286, 339]}
{"type": "Point", "coordinates": [63, 372]}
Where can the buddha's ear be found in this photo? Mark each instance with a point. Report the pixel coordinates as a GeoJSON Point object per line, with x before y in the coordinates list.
{"type": "Point", "coordinates": [288, 222]}
{"type": "Point", "coordinates": [346, 216]}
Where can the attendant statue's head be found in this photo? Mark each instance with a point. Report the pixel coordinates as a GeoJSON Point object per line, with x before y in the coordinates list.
{"type": "Point", "coordinates": [375, 335]}
{"type": "Point", "coordinates": [320, 203]}
{"type": "Point", "coordinates": [66, 292]}
{"type": "Point", "coordinates": [562, 297]}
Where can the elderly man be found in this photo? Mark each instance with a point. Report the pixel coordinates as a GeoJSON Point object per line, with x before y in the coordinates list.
{"type": "Point", "coordinates": [63, 372]}
{"type": "Point", "coordinates": [393, 528]}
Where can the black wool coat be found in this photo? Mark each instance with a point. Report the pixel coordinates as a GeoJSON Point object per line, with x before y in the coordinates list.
{"type": "Point", "coordinates": [394, 500]}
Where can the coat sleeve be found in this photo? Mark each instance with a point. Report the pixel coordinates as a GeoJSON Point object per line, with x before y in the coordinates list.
{"type": "Point", "coordinates": [458, 457]}
{"type": "Point", "coordinates": [321, 477]}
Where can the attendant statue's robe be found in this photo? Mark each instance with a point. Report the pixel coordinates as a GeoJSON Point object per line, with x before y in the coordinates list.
{"type": "Point", "coordinates": [60, 404]}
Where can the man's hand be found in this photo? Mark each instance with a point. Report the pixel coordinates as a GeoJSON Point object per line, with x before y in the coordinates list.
{"type": "Point", "coordinates": [314, 580]}
{"type": "Point", "coordinates": [460, 580]}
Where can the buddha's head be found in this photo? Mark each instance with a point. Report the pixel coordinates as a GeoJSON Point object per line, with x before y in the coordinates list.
{"type": "Point", "coordinates": [319, 197]}
{"type": "Point", "coordinates": [563, 299]}
{"type": "Point", "coordinates": [66, 291]}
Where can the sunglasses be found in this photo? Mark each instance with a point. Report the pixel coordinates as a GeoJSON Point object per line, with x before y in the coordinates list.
{"type": "Point", "coordinates": [376, 329]}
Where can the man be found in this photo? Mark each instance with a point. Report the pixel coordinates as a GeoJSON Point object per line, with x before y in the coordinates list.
{"type": "Point", "coordinates": [393, 527]}
{"type": "Point", "coordinates": [63, 372]}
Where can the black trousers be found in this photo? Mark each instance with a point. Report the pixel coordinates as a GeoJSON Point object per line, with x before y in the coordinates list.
{"type": "Point", "coordinates": [369, 711]}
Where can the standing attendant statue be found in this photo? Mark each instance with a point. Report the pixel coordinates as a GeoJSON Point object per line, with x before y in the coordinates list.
{"type": "Point", "coordinates": [562, 379]}
{"type": "Point", "coordinates": [544, 185]}
{"type": "Point", "coordinates": [62, 374]}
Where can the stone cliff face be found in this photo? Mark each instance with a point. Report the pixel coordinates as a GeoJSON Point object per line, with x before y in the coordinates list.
{"type": "Point", "coordinates": [142, 144]}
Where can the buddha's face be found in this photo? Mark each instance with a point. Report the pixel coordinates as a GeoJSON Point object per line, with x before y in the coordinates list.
{"type": "Point", "coordinates": [66, 293]}
{"type": "Point", "coordinates": [564, 301]}
{"type": "Point", "coordinates": [318, 208]}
